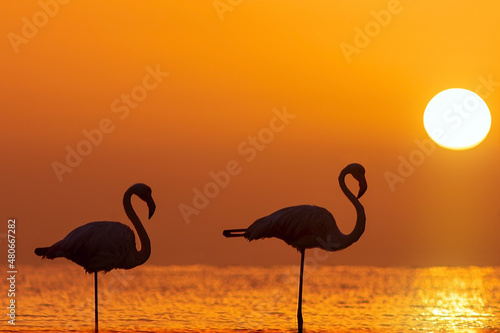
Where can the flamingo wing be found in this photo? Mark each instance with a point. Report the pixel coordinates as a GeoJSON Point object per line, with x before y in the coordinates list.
{"type": "Point", "coordinates": [302, 227]}
{"type": "Point", "coordinates": [96, 246]}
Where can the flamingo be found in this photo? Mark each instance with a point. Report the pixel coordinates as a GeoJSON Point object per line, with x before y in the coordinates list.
{"type": "Point", "coordinates": [305, 226]}
{"type": "Point", "coordinates": [102, 246]}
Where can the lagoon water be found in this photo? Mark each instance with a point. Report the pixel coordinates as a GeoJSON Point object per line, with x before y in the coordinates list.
{"type": "Point", "coordinates": [59, 298]}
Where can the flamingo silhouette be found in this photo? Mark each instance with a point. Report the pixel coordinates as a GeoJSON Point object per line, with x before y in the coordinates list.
{"type": "Point", "coordinates": [103, 246]}
{"type": "Point", "coordinates": [305, 227]}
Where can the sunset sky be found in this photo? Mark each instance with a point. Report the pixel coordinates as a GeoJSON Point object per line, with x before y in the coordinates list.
{"type": "Point", "coordinates": [97, 96]}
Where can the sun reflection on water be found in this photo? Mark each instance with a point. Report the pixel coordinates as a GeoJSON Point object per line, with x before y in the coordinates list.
{"type": "Point", "coordinates": [454, 298]}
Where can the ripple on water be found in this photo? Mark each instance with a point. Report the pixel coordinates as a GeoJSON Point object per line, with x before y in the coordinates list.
{"type": "Point", "coordinates": [250, 299]}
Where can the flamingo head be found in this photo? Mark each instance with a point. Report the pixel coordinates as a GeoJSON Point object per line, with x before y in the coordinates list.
{"type": "Point", "coordinates": [143, 191]}
{"type": "Point", "coordinates": [358, 172]}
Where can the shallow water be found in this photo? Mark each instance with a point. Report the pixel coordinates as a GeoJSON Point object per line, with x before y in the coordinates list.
{"type": "Point", "coordinates": [59, 298]}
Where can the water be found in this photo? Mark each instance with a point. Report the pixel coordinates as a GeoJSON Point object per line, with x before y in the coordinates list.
{"type": "Point", "coordinates": [59, 298]}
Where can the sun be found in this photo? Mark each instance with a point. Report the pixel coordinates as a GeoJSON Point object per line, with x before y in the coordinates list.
{"type": "Point", "coordinates": [457, 119]}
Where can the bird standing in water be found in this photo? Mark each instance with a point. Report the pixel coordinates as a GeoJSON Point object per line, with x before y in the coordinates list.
{"type": "Point", "coordinates": [103, 246]}
{"type": "Point", "coordinates": [305, 226]}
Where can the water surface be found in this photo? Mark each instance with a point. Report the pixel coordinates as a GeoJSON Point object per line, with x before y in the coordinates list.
{"type": "Point", "coordinates": [59, 298]}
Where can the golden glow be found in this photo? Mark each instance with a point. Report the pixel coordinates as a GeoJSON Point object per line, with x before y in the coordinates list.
{"type": "Point", "coordinates": [357, 75]}
{"type": "Point", "coordinates": [453, 298]}
{"type": "Point", "coordinates": [457, 119]}
{"type": "Point", "coordinates": [202, 298]}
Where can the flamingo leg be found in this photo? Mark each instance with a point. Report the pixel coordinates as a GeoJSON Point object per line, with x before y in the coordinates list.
{"type": "Point", "coordinates": [96, 323]}
{"type": "Point", "coordinates": [299, 309]}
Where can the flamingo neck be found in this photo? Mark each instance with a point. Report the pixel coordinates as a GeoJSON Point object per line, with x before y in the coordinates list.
{"type": "Point", "coordinates": [141, 256]}
{"type": "Point", "coordinates": [359, 228]}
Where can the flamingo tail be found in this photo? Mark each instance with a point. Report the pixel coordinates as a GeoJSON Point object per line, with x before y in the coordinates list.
{"type": "Point", "coordinates": [234, 232]}
{"type": "Point", "coordinates": [41, 251]}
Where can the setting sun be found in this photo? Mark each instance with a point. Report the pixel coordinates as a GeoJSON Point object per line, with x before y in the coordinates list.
{"type": "Point", "coordinates": [457, 119]}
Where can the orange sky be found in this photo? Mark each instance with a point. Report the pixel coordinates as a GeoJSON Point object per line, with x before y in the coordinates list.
{"type": "Point", "coordinates": [172, 91]}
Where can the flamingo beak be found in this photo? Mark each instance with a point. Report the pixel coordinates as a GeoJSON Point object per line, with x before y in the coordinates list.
{"type": "Point", "coordinates": [151, 207]}
{"type": "Point", "coordinates": [362, 187]}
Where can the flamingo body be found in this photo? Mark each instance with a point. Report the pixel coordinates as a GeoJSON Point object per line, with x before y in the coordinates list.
{"type": "Point", "coordinates": [96, 246]}
{"type": "Point", "coordinates": [302, 227]}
